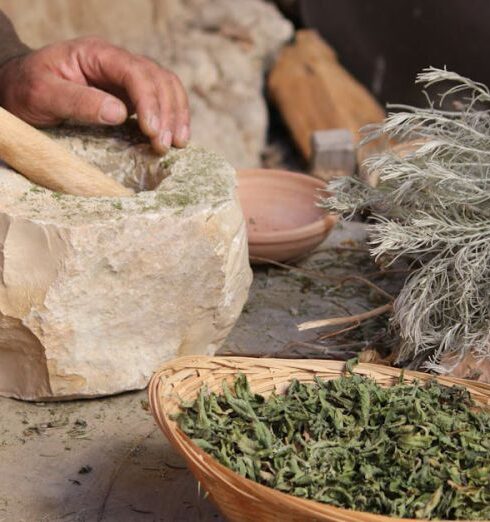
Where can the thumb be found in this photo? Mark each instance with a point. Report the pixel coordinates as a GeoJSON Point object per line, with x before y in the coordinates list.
{"type": "Point", "coordinates": [85, 104]}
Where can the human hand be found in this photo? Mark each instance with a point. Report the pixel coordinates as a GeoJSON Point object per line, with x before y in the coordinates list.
{"type": "Point", "coordinates": [91, 81]}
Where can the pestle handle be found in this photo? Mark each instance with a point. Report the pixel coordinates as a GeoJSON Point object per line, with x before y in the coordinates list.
{"type": "Point", "coordinates": [47, 163]}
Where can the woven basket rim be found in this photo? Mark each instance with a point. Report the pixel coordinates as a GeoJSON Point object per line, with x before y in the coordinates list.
{"type": "Point", "coordinates": [183, 444]}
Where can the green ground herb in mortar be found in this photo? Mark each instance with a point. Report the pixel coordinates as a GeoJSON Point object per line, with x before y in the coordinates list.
{"type": "Point", "coordinates": [413, 450]}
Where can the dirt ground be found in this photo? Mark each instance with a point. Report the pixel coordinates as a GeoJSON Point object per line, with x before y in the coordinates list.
{"type": "Point", "coordinates": [105, 460]}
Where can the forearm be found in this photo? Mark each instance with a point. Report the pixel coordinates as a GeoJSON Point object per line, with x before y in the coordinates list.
{"type": "Point", "coordinates": [10, 44]}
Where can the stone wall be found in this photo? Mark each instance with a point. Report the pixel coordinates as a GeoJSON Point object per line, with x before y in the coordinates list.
{"type": "Point", "coordinates": [219, 48]}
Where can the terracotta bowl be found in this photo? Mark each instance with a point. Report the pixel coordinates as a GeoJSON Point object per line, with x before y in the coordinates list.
{"type": "Point", "coordinates": [283, 221]}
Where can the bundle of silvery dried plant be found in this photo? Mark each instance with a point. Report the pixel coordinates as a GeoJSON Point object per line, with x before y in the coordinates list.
{"type": "Point", "coordinates": [432, 205]}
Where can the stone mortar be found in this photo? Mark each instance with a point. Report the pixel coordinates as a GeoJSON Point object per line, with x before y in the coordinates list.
{"type": "Point", "coordinates": [96, 293]}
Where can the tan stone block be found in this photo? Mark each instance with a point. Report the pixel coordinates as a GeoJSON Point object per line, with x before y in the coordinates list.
{"type": "Point", "coordinates": [96, 293]}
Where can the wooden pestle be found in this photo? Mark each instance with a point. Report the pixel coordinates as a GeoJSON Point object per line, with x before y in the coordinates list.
{"type": "Point", "coordinates": [47, 163]}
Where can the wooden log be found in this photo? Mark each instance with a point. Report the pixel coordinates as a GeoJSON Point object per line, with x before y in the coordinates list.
{"type": "Point", "coordinates": [314, 92]}
{"type": "Point", "coordinates": [49, 164]}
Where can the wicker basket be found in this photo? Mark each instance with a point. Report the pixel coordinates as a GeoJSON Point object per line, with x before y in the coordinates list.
{"type": "Point", "coordinates": [240, 499]}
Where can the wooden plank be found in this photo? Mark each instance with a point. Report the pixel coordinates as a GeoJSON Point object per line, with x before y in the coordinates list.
{"type": "Point", "coordinates": [314, 92]}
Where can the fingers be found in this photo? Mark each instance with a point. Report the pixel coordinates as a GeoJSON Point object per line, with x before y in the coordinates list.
{"type": "Point", "coordinates": [64, 100]}
{"type": "Point", "coordinates": [173, 118]}
{"type": "Point", "coordinates": [160, 102]}
{"type": "Point", "coordinates": [158, 96]}
{"type": "Point", "coordinates": [91, 81]}
{"type": "Point", "coordinates": [182, 133]}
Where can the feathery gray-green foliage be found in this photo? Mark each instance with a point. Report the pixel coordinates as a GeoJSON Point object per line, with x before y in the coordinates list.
{"type": "Point", "coordinates": [433, 205]}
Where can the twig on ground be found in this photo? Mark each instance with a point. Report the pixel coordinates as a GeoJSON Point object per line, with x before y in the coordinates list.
{"type": "Point", "coordinates": [367, 283]}
{"type": "Point", "coordinates": [338, 321]}
{"type": "Point", "coordinates": [329, 335]}
{"type": "Point", "coordinates": [342, 352]}
{"type": "Point", "coordinates": [390, 271]}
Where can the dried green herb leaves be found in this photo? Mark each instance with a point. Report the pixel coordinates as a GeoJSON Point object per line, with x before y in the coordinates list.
{"type": "Point", "coordinates": [412, 450]}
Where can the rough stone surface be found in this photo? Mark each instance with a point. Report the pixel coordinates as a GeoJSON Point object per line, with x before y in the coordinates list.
{"type": "Point", "coordinates": [219, 48]}
{"type": "Point", "coordinates": [95, 293]}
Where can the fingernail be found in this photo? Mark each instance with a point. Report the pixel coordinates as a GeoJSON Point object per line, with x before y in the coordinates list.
{"type": "Point", "coordinates": [166, 139]}
{"type": "Point", "coordinates": [184, 134]}
{"type": "Point", "coordinates": [153, 124]}
{"type": "Point", "coordinates": [112, 112]}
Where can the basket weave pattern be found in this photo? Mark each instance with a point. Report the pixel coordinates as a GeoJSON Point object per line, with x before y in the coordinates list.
{"type": "Point", "coordinates": [240, 499]}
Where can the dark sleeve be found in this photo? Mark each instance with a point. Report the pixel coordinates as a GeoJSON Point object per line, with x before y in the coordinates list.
{"type": "Point", "coordinates": [10, 44]}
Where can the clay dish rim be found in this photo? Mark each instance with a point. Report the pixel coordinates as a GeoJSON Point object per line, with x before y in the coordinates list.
{"type": "Point", "coordinates": [320, 226]}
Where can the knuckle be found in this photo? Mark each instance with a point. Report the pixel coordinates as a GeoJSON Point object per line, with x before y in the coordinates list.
{"type": "Point", "coordinates": [167, 82]}
{"type": "Point", "coordinates": [174, 79]}
{"type": "Point", "coordinates": [136, 62]}
{"type": "Point", "coordinates": [139, 58]}
{"type": "Point", "coordinates": [145, 61]}
{"type": "Point", "coordinates": [137, 65]}
{"type": "Point", "coordinates": [117, 53]}
{"type": "Point", "coordinates": [180, 91]}
{"type": "Point", "coordinates": [132, 64]}
{"type": "Point", "coordinates": [91, 41]}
